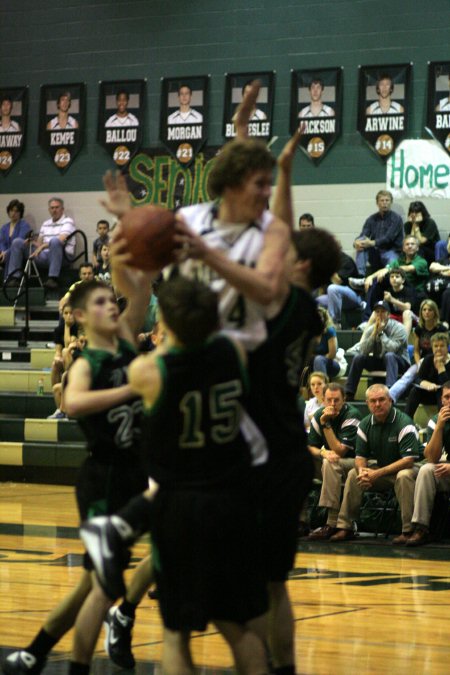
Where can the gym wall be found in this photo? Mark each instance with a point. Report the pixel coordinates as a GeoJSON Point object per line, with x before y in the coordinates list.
{"type": "Point", "coordinates": [90, 40]}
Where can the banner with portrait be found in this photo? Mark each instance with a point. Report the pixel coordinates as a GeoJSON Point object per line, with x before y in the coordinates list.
{"type": "Point", "coordinates": [62, 122]}
{"type": "Point", "coordinates": [316, 102]}
{"type": "Point", "coordinates": [121, 118]}
{"type": "Point", "coordinates": [155, 176]}
{"type": "Point", "coordinates": [261, 117]}
{"type": "Point", "coordinates": [184, 115]}
{"type": "Point", "coordinates": [438, 109]}
{"type": "Point", "coordinates": [13, 121]}
{"type": "Point", "coordinates": [384, 106]}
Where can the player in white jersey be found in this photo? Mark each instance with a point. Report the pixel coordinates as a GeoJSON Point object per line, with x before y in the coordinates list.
{"type": "Point", "coordinates": [262, 281]}
{"type": "Point", "coordinates": [63, 120]}
{"type": "Point", "coordinates": [7, 125]}
{"type": "Point", "coordinates": [385, 105]}
{"type": "Point", "coordinates": [122, 118]}
{"type": "Point", "coordinates": [240, 242]}
{"type": "Point", "coordinates": [185, 114]}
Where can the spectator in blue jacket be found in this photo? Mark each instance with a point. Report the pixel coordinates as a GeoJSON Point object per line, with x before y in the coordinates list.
{"type": "Point", "coordinates": [17, 227]}
{"type": "Point", "coordinates": [381, 238]}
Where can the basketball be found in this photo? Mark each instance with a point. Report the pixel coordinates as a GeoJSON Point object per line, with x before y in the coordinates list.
{"type": "Point", "coordinates": [149, 232]}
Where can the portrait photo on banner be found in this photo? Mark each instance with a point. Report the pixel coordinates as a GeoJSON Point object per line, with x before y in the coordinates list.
{"type": "Point", "coordinates": [316, 103]}
{"type": "Point", "coordinates": [184, 115]}
{"type": "Point", "coordinates": [13, 122]}
{"type": "Point", "coordinates": [121, 108]}
{"type": "Point", "coordinates": [384, 106]}
{"type": "Point", "coordinates": [260, 122]}
{"type": "Point", "coordinates": [62, 122]}
{"type": "Point", "coordinates": [438, 108]}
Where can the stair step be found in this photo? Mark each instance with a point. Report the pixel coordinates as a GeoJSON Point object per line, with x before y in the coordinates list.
{"type": "Point", "coordinates": [24, 404]}
{"type": "Point", "coordinates": [25, 380]}
{"type": "Point", "coordinates": [42, 454]}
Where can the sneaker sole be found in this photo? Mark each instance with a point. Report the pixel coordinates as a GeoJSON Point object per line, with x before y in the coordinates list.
{"type": "Point", "coordinates": [106, 646]}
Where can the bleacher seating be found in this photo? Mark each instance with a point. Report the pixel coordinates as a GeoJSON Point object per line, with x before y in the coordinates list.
{"type": "Point", "coordinates": [33, 448]}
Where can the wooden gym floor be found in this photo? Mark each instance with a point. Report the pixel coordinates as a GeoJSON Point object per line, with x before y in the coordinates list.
{"type": "Point", "coordinates": [360, 607]}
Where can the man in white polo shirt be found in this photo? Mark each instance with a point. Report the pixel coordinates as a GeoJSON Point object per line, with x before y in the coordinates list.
{"type": "Point", "coordinates": [48, 249]}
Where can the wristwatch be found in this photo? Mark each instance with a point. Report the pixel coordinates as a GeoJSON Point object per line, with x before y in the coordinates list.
{"type": "Point", "coordinates": [327, 425]}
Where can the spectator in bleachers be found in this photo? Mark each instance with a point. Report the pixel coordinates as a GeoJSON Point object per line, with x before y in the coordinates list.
{"type": "Point", "coordinates": [339, 295]}
{"type": "Point", "coordinates": [383, 346]}
{"type": "Point", "coordinates": [381, 238]}
{"type": "Point", "coordinates": [387, 445]}
{"type": "Point", "coordinates": [435, 475]}
{"type": "Point", "coordinates": [438, 286]}
{"type": "Point", "coordinates": [428, 325]}
{"type": "Point", "coordinates": [65, 333]}
{"type": "Point", "coordinates": [104, 269]}
{"type": "Point", "coordinates": [433, 372]}
{"type": "Point", "coordinates": [306, 221]}
{"type": "Point", "coordinates": [421, 226]}
{"type": "Point", "coordinates": [400, 296]}
{"type": "Point", "coordinates": [326, 349]}
{"type": "Point", "coordinates": [15, 228]}
{"type": "Point", "coordinates": [47, 252]}
{"type": "Point", "coordinates": [103, 238]}
{"type": "Point", "coordinates": [317, 382]}
{"type": "Point", "coordinates": [333, 437]}
{"type": "Point", "coordinates": [70, 354]}
{"type": "Point", "coordinates": [85, 273]}
{"type": "Point", "coordinates": [414, 266]}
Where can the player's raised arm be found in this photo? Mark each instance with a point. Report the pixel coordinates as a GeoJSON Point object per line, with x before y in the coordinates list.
{"type": "Point", "coordinates": [265, 284]}
{"type": "Point", "coordinates": [282, 201]}
{"type": "Point", "coordinates": [245, 108]}
{"type": "Point", "coordinates": [135, 285]}
{"type": "Point", "coordinates": [118, 200]}
{"type": "Point", "coordinates": [80, 400]}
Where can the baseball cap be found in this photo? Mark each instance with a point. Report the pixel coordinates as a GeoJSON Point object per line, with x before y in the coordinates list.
{"type": "Point", "coordinates": [381, 305]}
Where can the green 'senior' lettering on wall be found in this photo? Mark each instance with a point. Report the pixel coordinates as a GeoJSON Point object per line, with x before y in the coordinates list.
{"type": "Point", "coordinates": [161, 178]}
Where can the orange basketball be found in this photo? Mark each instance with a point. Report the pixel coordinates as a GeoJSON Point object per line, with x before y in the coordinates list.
{"type": "Point", "coordinates": [149, 231]}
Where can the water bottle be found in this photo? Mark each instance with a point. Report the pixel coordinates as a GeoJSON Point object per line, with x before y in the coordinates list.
{"type": "Point", "coordinates": [40, 387]}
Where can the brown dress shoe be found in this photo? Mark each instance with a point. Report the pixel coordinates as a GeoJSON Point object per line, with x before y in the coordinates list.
{"type": "Point", "coordinates": [419, 537]}
{"type": "Point", "coordinates": [343, 535]}
{"type": "Point", "coordinates": [402, 539]}
{"type": "Point", "coordinates": [322, 533]}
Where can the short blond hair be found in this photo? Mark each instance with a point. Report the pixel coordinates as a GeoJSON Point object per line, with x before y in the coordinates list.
{"type": "Point", "coordinates": [384, 193]}
{"type": "Point", "coordinates": [375, 386]}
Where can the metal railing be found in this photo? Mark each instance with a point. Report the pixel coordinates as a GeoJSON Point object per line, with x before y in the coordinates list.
{"type": "Point", "coordinates": [31, 271]}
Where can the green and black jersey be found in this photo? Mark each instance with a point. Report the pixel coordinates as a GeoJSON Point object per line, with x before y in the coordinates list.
{"type": "Point", "coordinates": [112, 435]}
{"type": "Point", "coordinates": [275, 369]}
{"type": "Point", "coordinates": [192, 435]}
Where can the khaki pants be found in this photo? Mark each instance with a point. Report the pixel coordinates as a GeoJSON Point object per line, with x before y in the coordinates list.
{"type": "Point", "coordinates": [403, 483]}
{"type": "Point", "coordinates": [303, 517]}
{"type": "Point", "coordinates": [426, 487]}
{"type": "Point", "coordinates": [333, 475]}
